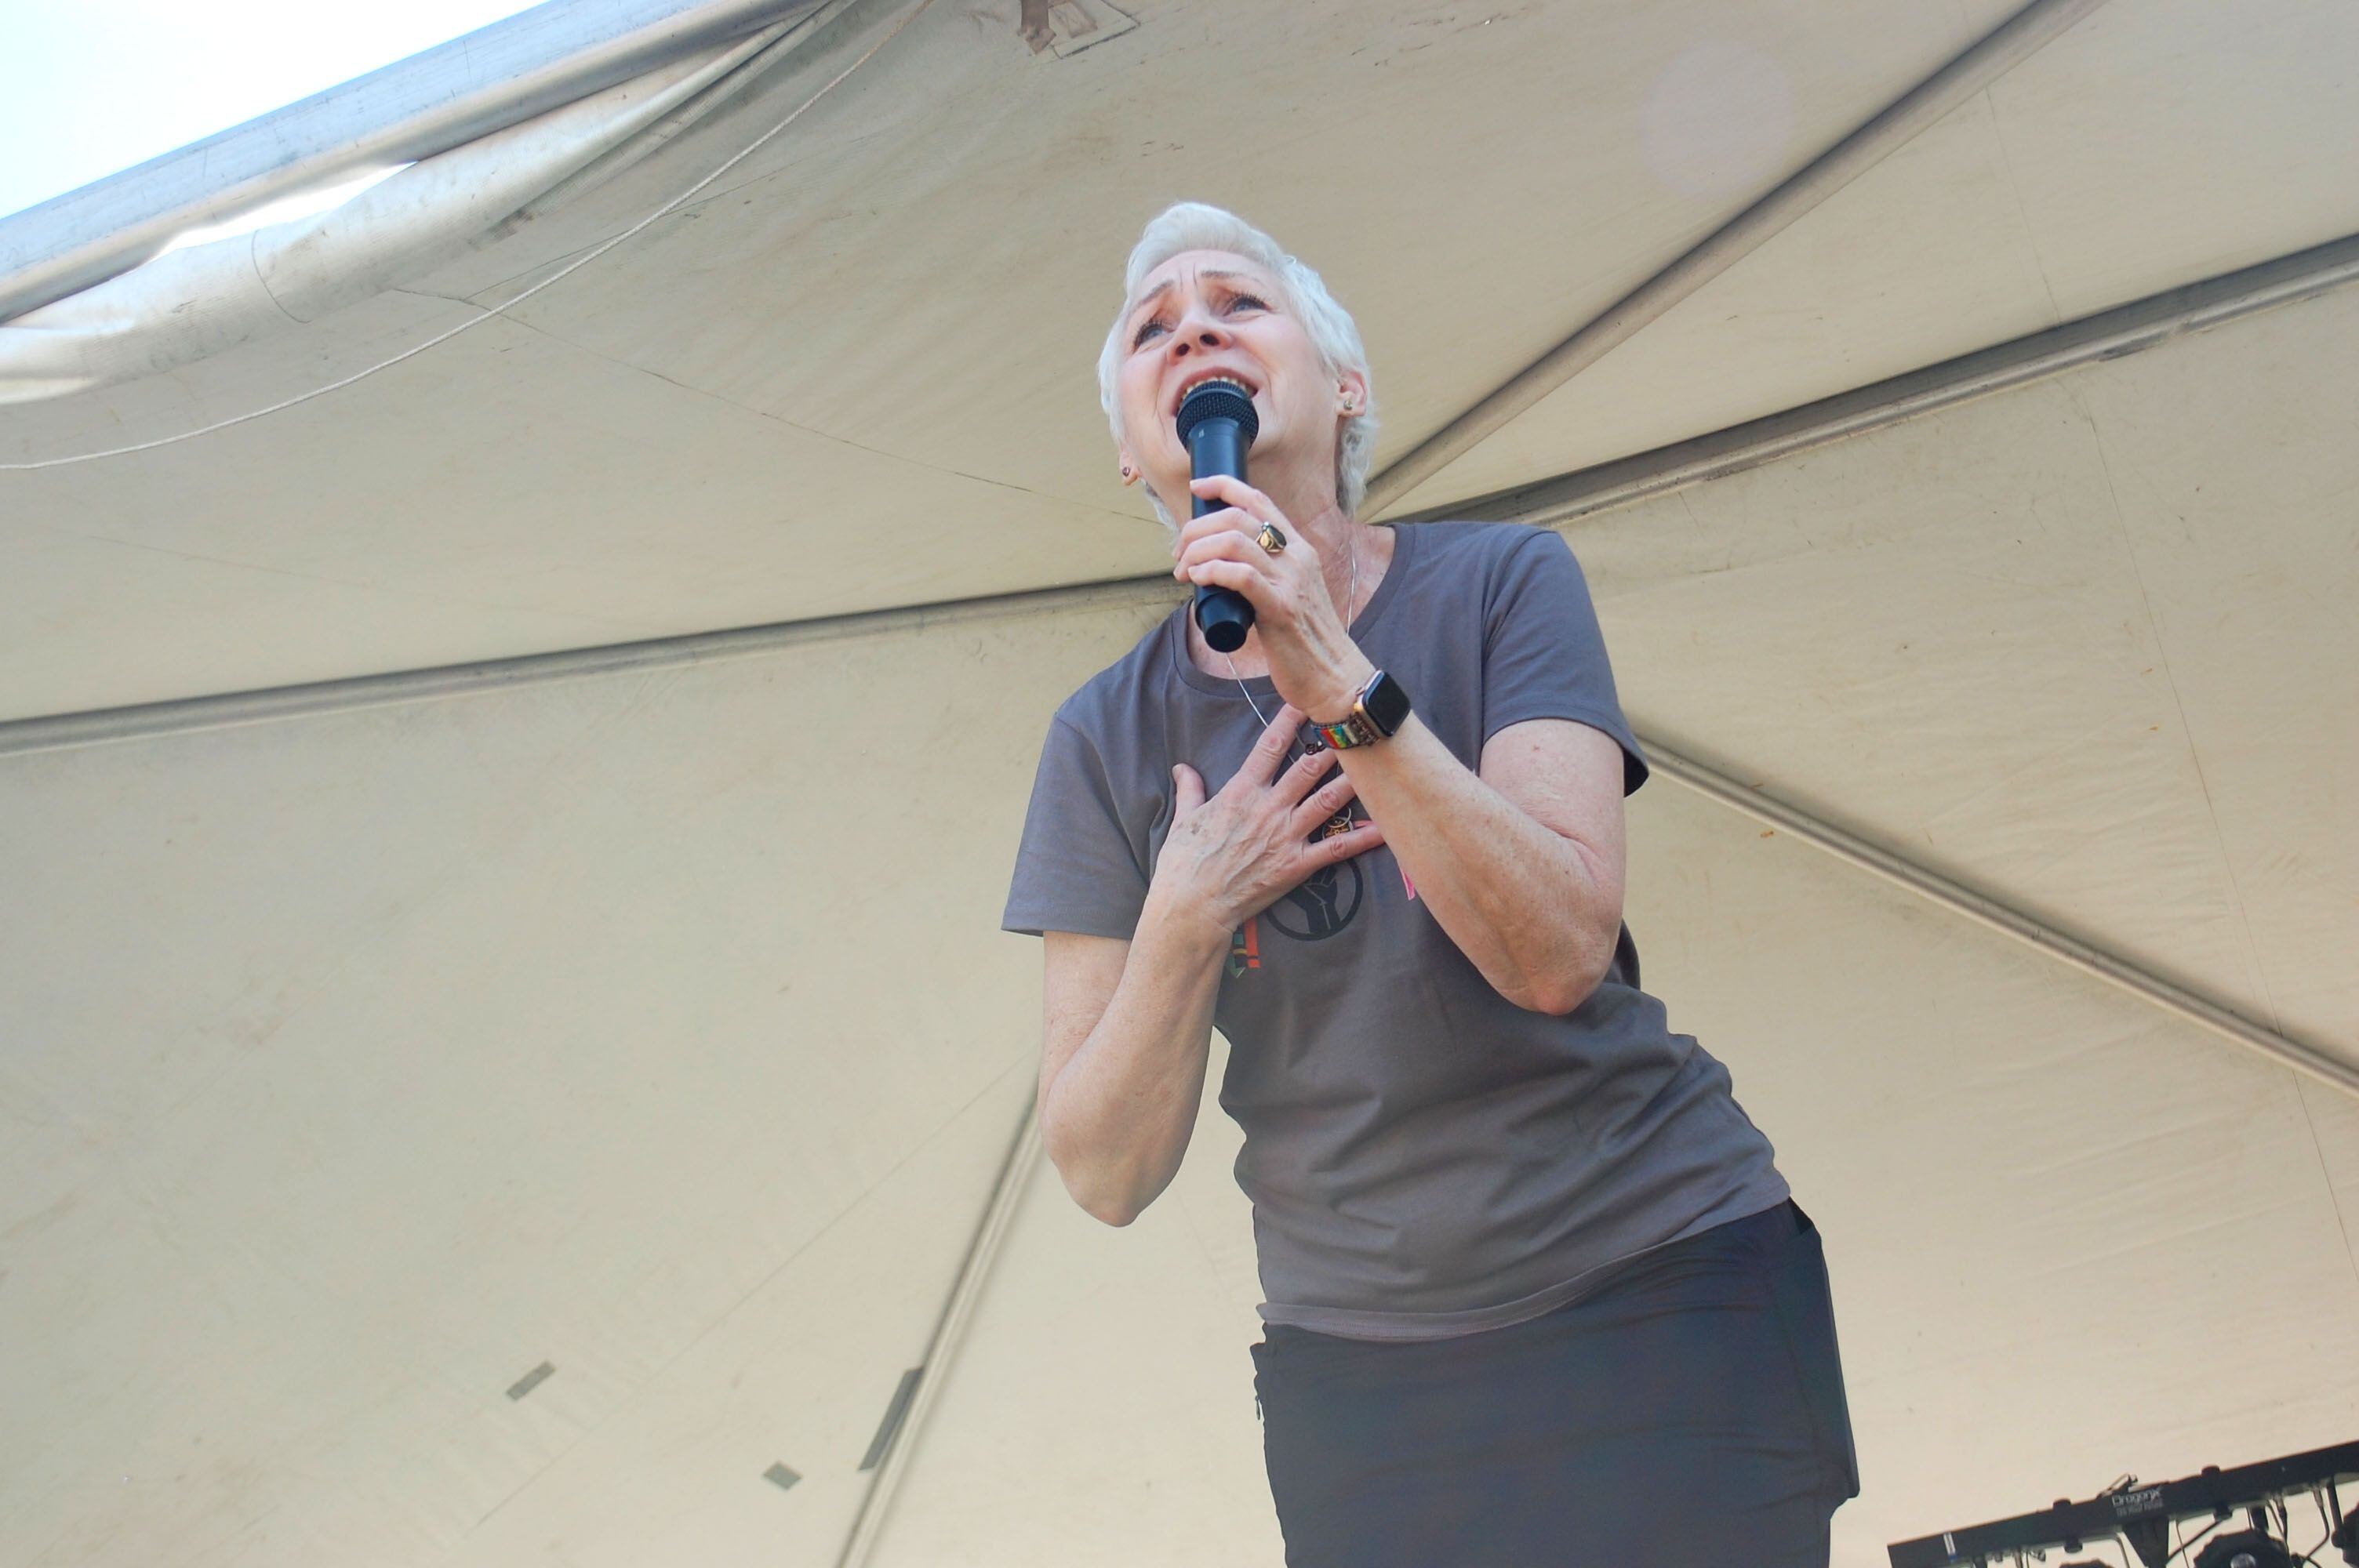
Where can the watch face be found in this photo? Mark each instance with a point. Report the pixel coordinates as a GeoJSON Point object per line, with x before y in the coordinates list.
{"type": "Point", "coordinates": [1387, 704]}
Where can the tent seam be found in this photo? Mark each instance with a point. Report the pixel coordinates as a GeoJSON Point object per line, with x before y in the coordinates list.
{"type": "Point", "coordinates": [2194, 755]}
{"type": "Point", "coordinates": [2326, 1064]}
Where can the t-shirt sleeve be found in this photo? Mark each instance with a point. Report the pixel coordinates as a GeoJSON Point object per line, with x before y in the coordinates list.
{"type": "Point", "coordinates": [1543, 656]}
{"type": "Point", "coordinates": [1076, 869]}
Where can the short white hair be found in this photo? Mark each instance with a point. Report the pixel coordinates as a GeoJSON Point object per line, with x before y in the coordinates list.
{"type": "Point", "coordinates": [1194, 226]}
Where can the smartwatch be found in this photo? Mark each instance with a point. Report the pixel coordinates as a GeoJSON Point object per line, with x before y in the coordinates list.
{"type": "Point", "coordinates": [1378, 714]}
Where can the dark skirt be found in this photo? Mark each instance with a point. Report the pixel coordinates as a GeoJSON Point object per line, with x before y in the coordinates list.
{"type": "Point", "coordinates": [1690, 1409]}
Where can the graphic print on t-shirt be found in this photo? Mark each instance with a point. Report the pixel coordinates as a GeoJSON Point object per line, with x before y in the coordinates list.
{"type": "Point", "coordinates": [1320, 907]}
{"type": "Point", "coordinates": [1244, 947]}
{"type": "Point", "coordinates": [1327, 900]}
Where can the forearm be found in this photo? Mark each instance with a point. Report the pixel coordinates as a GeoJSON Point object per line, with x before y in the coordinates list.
{"type": "Point", "coordinates": [1523, 902]}
{"type": "Point", "coordinates": [1118, 1116]}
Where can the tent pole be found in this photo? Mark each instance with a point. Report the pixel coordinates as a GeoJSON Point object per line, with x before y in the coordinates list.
{"type": "Point", "coordinates": [1984, 909]}
{"type": "Point", "coordinates": [949, 1335]}
{"type": "Point", "coordinates": [1150, 596]}
{"type": "Point", "coordinates": [2011, 42]}
{"type": "Point", "coordinates": [472, 86]}
{"type": "Point", "coordinates": [2108, 335]}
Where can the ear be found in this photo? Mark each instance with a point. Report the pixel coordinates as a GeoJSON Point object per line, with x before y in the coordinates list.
{"type": "Point", "coordinates": [1351, 394]}
{"type": "Point", "coordinates": [1130, 474]}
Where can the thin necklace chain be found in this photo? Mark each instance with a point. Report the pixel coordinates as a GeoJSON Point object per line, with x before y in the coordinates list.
{"type": "Point", "coordinates": [1351, 597]}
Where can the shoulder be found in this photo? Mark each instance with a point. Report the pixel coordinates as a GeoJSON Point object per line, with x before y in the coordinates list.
{"type": "Point", "coordinates": [1471, 541]}
{"type": "Point", "coordinates": [1484, 548]}
{"type": "Point", "coordinates": [1499, 561]}
{"type": "Point", "coordinates": [1113, 699]}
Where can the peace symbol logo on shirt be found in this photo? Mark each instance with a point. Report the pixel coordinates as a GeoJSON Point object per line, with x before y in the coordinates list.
{"type": "Point", "coordinates": [1327, 900]}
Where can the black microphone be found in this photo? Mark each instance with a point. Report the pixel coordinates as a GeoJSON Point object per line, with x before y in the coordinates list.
{"type": "Point", "coordinates": [1217, 423]}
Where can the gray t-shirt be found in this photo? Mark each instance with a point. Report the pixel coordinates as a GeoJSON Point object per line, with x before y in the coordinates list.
{"type": "Point", "coordinates": [1424, 1157]}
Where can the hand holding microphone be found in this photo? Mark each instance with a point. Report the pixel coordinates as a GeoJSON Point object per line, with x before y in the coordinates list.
{"type": "Point", "coordinates": [1306, 636]}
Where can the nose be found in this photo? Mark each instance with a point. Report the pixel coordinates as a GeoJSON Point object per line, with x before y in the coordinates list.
{"type": "Point", "coordinates": [1197, 333]}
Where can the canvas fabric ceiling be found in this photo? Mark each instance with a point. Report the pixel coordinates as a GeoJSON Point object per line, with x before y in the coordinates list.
{"type": "Point", "coordinates": [654, 1024]}
{"type": "Point", "coordinates": [856, 373]}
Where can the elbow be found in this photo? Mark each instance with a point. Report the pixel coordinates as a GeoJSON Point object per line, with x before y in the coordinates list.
{"type": "Point", "coordinates": [1550, 997]}
{"type": "Point", "coordinates": [1104, 1203]}
{"type": "Point", "coordinates": [1100, 1194]}
{"type": "Point", "coordinates": [1555, 965]}
{"type": "Point", "coordinates": [1565, 989]}
{"type": "Point", "coordinates": [1558, 1001]}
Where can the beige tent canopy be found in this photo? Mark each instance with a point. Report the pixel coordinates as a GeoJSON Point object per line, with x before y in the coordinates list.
{"type": "Point", "coordinates": [516, 697]}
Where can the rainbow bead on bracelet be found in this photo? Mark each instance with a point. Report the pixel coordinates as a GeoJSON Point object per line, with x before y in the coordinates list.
{"type": "Point", "coordinates": [1344, 732]}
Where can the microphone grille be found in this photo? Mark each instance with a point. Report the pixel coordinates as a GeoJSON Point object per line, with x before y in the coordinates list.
{"type": "Point", "coordinates": [1218, 400]}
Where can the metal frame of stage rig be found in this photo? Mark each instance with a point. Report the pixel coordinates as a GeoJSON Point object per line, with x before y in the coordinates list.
{"type": "Point", "coordinates": [2141, 1515]}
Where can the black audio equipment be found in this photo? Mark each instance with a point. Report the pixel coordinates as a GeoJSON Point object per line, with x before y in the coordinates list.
{"type": "Point", "coordinates": [2142, 1515]}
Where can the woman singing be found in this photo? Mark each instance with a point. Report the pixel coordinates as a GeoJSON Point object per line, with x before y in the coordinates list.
{"type": "Point", "coordinates": [1536, 1291]}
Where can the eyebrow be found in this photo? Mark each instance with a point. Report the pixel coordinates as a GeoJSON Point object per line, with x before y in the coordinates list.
{"type": "Point", "coordinates": [1168, 284]}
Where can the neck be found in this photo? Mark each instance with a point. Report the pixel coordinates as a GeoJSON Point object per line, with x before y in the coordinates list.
{"type": "Point", "coordinates": [1307, 499]}
{"type": "Point", "coordinates": [1337, 539]}
{"type": "Point", "coordinates": [1311, 514]}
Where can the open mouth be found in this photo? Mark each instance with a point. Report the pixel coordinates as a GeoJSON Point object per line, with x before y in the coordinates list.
{"type": "Point", "coordinates": [1220, 377]}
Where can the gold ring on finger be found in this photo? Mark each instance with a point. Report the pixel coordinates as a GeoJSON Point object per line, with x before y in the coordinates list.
{"type": "Point", "coordinates": [1271, 538]}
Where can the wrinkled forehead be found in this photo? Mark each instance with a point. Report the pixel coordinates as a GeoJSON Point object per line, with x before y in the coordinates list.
{"type": "Point", "coordinates": [1187, 267]}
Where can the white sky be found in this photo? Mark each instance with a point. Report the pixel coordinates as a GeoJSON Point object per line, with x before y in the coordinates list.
{"type": "Point", "coordinates": [89, 86]}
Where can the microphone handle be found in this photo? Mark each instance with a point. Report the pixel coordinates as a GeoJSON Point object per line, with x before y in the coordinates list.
{"type": "Point", "coordinates": [1218, 445]}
